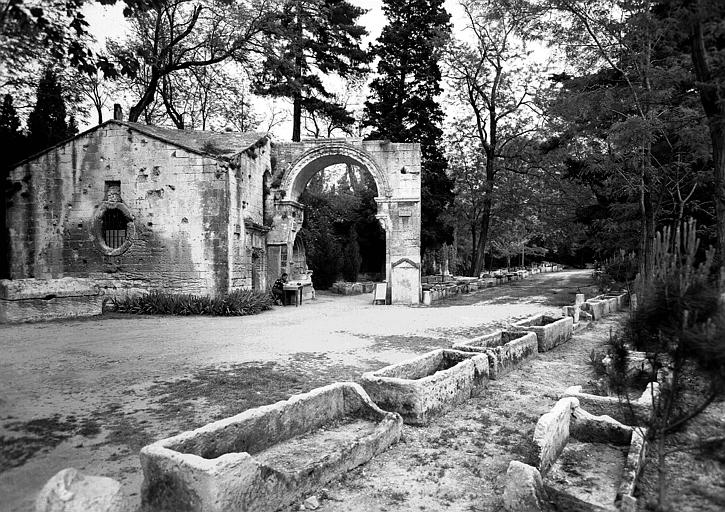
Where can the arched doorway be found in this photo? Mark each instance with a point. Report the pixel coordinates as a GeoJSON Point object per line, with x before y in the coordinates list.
{"type": "Point", "coordinates": [395, 169]}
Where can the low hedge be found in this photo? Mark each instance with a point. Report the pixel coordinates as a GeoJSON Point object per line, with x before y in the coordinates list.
{"type": "Point", "coordinates": [236, 303]}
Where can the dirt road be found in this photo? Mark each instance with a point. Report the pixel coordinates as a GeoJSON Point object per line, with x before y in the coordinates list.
{"type": "Point", "coordinates": [90, 393]}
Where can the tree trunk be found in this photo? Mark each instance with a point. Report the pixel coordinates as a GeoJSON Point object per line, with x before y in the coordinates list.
{"type": "Point", "coordinates": [710, 97]}
{"type": "Point", "coordinates": [297, 118]}
{"type": "Point", "coordinates": [485, 214]}
{"type": "Point", "coordinates": [297, 98]}
{"type": "Point", "coordinates": [147, 98]}
{"type": "Point", "coordinates": [474, 249]}
{"type": "Point", "coordinates": [99, 111]}
{"type": "Point", "coordinates": [483, 236]}
{"type": "Point", "coordinates": [647, 240]}
{"type": "Point", "coordinates": [717, 132]}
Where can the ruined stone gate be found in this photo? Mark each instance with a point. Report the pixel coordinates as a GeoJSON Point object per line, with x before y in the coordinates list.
{"type": "Point", "coordinates": [395, 168]}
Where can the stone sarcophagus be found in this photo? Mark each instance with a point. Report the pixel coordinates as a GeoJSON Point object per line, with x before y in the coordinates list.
{"type": "Point", "coordinates": [505, 349]}
{"type": "Point", "coordinates": [265, 458]}
{"type": "Point", "coordinates": [550, 331]}
{"type": "Point", "coordinates": [30, 300]}
{"type": "Point", "coordinates": [428, 384]}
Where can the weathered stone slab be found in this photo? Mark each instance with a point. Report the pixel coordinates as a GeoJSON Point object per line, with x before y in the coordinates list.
{"type": "Point", "coordinates": [429, 384]}
{"type": "Point", "coordinates": [524, 491]}
{"type": "Point", "coordinates": [552, 432]}
{"type": "Point", "coordinates": [21, 289]}
{"type": "Point", "coordinates": [266, 458]}
{"type": "Point", "coordinates": [505, 349]}
{"type": "Point", "coordinates": [632, 412]}
{"type": "Point", "coordinates": [589, 428]}
{"type": "Point", "coordinates": [595, 473]}
{"type": "Point", "coordinates": [69, 490]}
{"type": "Point", "coordinates": [632, 469]}
{"type": "Point", "coordinates": [31, 300]}
{"type": "Point", "coordinates": [597, 308]}
{"type": "Point", "coordinates": [550, 331]}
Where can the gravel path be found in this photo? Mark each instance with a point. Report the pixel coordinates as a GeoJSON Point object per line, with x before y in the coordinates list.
{"type": "Point", "coordinates": [90, 393]}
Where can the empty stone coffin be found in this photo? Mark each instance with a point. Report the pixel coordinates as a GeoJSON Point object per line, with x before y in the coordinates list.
{"type": "Point", "coordinates": [588, 463]}
{"type": "Point", "coordinates": [505, 349]}
{"type": "Point", "coordinates": [617, 300]}
{"type": "Point", "coordinates": [30, 300]}
{"type": "Point", "coordinates": [429, 384]}
{"type": "Point", "coordinates": [550, 331]}
{"type": "Point", "coordinates": [603, 305]}
{"type": "Point", "coordinates": [266, 458]}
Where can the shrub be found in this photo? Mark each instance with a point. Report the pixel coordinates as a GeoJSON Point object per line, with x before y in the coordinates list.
{"type": "Point", "coordinates": [618, 270]}
{"type": "Point", "coordinates": [622, 268]}
{"type": "Point", "coordinates": [680, 320]}
{"type": "Point", "coordinates": [156, 302]}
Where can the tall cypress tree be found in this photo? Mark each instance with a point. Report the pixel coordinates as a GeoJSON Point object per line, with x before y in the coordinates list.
{"type": "Point", "coordinates": [13, 139]}
{"type": "Point", "coordinates": [403, 107]}
{"type": "Point", "coordinates": [13, 142]}
{"type": "Point", "coordinates": [307, 37]}
{"type": "Point", "coordinates": [47, 122]}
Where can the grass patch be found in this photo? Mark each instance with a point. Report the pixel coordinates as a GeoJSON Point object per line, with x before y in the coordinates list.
{"type": "Point", "coordinates": [38, 435]}
{"type": "Point", "coordinates": [230, 390]}
{"type": "Point", "coordinates": [236, 303]}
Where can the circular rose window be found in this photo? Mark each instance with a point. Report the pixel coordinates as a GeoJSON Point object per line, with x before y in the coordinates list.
{"type": "Point", "coordinates": [113, 228]}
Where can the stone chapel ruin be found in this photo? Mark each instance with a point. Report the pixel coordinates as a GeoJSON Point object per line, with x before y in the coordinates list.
{"type": "Point", "coordinates": [131, 206]}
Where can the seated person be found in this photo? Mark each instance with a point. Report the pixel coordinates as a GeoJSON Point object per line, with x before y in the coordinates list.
{"type": "Point", "coordinates": [278, 289]}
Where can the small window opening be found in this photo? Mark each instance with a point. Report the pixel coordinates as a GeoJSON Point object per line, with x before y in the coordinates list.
{"type": "Point", "coordinates": [114, 228]}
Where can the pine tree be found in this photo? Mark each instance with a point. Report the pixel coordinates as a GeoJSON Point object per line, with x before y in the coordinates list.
{"type": "Point", "coordinates": [308, 37]}
{"type": "Point", "coordinates": [403, 106]}
{"type": "Point", "coordinates": [47, 122]}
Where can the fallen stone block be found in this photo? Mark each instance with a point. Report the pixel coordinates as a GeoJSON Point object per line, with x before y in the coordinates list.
{"type": "Point", "coordinates": [550, 331]}
{"type": "Point", "coordinates": [598, 467]}
{"type": "Point", "coordinates": [267, 458]}
{"type": "Point", "coordinates": [505, 349]}
{"type": "Point", "coordinates": [632, 468]}
{"type": "Point", "coordinates": [552, 432]}
{"type": "Point", "coordinates": [69, 490]}
{"type": "Point", "coordinates": [31, 300]}
{"type": "Point", "coordinates": [589, 428]}
{"type": "Point", "coordinates": [524, 491]}
{"type": "Point", "coordinates": [428, 384]}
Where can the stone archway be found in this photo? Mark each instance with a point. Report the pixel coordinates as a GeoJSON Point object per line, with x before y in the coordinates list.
{"type": "Point", "coordinates": [396, 170]}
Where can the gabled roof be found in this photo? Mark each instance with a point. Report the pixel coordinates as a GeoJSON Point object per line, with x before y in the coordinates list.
{"type": "Point", "coordinates": [218, 145]}
{"type": "Point", "coordinates": [214, 144]}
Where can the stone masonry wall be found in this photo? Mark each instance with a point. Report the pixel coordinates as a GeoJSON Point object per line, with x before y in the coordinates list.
{"type": "Point", "coordinates": [179, 201]}
{"type": "Point", "coordinates": [248, 245]}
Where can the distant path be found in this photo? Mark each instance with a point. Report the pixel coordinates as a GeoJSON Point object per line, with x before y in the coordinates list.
{"type": "Point", "coordinates": [101, 388]}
